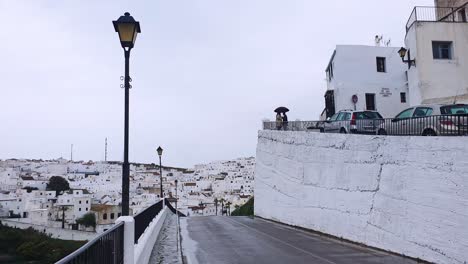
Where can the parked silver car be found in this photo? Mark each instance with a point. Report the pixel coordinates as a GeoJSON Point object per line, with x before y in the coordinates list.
{"type": "Point", "coordinates": [428, 120]}
{"type": "Point", "coordinates": [350, 121]}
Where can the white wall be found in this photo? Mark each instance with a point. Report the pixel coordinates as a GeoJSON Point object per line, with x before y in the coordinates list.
{"type": "Point", "coordinates": [147, 240]}
{"type": "Point", "coordinates": [402, 194]}
{"type": "Point", "coordinates": [54, 232]}
{"type": "Point", "coordinates": [355, 72]}
{"type": "Point", "coordinates": [433, 80]}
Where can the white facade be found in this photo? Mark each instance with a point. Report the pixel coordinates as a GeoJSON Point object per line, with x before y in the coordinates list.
{"type": "Point", "coordinates": [436, 80]}
{"type": "Point", "coordinates": [353, 70]}
{"type": "Point", "coordinates": [402, 194]}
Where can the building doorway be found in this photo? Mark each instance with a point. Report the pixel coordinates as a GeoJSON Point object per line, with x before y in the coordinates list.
{"type": "Point", "coordinates": [370, 102]}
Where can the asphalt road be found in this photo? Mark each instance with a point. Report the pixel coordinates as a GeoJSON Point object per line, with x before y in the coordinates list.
{"type": "Point", "coordinates": [221, 239]}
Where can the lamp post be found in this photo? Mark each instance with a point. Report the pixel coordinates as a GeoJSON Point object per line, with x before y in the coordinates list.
{"type": "Point", "coordinates": [160, 151]}
{"type": "Point", "coordinates": [411, 62]}
{"type": "Point", "coordinates": [128, 30]}
{"type": "Point", "coordinates": [176, 197]}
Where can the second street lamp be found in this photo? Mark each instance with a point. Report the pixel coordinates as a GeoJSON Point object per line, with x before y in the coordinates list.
{"type": "Point", "coordinates": [160, 151]}
{"type": "Point", "coordinates": [128, 30]}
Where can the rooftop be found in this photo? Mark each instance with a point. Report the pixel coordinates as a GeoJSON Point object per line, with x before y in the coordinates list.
{"type": "Point", "coordinates": [437, 14]}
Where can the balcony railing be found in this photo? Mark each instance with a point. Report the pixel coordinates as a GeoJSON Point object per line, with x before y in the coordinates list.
{"type": "Point", "coordinates": [436, 125]}
{"type": "Point", "coordinates": [107, 248]}
{"type": "Point", "coordinates": [144, 218]}
{"type": "Point", "coordinates": [437, 14]}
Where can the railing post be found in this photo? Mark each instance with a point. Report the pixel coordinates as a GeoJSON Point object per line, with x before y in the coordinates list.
{"type": "Point", "coordinates": [129, 235]}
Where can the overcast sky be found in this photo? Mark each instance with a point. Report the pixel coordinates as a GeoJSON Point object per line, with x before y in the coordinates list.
{"type": "Point", "coordinates": [205, 72]}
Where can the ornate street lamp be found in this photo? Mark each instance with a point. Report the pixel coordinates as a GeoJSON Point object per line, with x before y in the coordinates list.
{"type": "Point", "coordinates": [160, 151]}
{"type": "Point", "coordinates": [128, 30]}
{"type": "Point", "coordinates": [411, 62]}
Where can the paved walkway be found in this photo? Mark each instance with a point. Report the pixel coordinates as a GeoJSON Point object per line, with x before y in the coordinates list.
{"type": "Point", "coordinates": [232, 240]}
{"type": "Point", "coordinates": [166, 250]}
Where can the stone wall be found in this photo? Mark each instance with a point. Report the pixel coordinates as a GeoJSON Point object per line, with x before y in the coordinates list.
{"type": "Point", "coordinates": [407, 195]}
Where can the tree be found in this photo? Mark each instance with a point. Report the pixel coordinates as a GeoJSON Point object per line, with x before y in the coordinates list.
{"type": "Point", "coordinates": [245, 210]}
{"type": "Point", "coordinates": [89, 219]}
{"type": "Point", "coordinates": [58, 184]}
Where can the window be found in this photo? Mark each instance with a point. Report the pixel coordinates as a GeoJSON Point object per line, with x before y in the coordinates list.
{"type": "Point", "coordinates": [462, 15]}
{"type": "Point", "coordinates": [403, 97]}
{"type": "Point", "coordinates": [454, 109]}
{"type": "Point", "coordinates": [342, 116]}
{"type": "Point", "coordinates": [86, 208]}
{"type": "Point", "coordinates": [368, 115]}
{"type": "Point", "coordinates": [79, 202]}
{"type": "Point", "coordinates": [405, 114]}
{"type": "Point", "coordinates": [112, 216]}
{"type": "Point", "coordinates": [79, 209]}
{"type": "Point", "coordinates": [442, 50]}
{"type": "Point", "coordinates": [422, 112]}
{"type": "Point", "coordinates": [334, 117]}
{"type": "Point", "coordinates": [381, 67]}
{"type": "Point", "coordinates": [87, 201]}
{"type": "Point", "coordinates": [104, 216]}
{"type": "Point", "coordinates": [347, 116]}
{"type": "Point", "coordinates": [370, 102]}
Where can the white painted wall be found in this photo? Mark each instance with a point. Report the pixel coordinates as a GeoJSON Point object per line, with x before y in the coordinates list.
{"type": "Point", "coordinates": [146, 242]}
{"type": "Point", "coordinates": [66, 234]}
{"type": "Point", "coordinates": [402, 194]}
{"type": "Point", "coordinates": [435, 80]}
{"type": "Point", "coordinates": [355, 72]}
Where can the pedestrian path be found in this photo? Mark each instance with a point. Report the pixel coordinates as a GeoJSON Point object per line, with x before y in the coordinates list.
{"type": "Point", "coordinates": [166, 249]}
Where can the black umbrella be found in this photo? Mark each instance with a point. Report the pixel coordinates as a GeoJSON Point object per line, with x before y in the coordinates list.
{"type": "Point", "coordinates": [281, 109]}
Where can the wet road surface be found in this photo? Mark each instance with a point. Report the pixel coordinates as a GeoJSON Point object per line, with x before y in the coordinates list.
{"type": "Point", "coordinates": [233, 240]}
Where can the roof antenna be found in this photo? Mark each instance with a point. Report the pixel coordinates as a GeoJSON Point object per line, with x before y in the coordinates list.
{"type": "Point", "coordinates": [456, 95]}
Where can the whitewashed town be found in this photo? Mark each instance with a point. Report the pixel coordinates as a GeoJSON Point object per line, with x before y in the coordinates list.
{"type": "Point", "coordinates": [350, 121]}
{"type": "Point", "coordinates": [95, 188]}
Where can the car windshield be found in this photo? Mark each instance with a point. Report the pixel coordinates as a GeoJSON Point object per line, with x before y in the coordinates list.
{"type": "Point", "coordinates": [368, 115]}
{"type": "Point", "coordinates": [454, 109]}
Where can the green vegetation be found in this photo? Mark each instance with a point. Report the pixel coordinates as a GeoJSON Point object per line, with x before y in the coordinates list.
{"type": "Point", "coordinates": [245, 210]}
{"type": "Point", "coordinates": [58, 184]}
{"type": "Point", "coordinates": [87, 220]}
{"type": "Point", "coordinates": [30, 245]}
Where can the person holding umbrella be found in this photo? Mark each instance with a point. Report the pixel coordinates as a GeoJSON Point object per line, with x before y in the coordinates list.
{"type": "Point", "coordinates": [285, 121]}
{"type": "Point", "coordinates": [281, 121]}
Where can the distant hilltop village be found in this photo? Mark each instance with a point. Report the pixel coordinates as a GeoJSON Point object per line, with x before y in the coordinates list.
{"type": "Point", "coordinates": [95, 189]}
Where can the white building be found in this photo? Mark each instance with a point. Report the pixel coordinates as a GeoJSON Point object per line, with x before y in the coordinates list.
{"type": "Point", "coordinates": [373, 75]}
{"type": "Point", "coordinates": [437, 38]}
{"type": "Point", "coordinates": [78, 200]}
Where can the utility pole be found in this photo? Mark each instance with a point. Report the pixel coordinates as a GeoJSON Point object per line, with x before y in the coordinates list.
{"type": "Point", "coordinates": [105, 151]}
{"type": "Point", "coordinates": [63, 217]}
{"type": "Point", "coordinates": [71, 152]}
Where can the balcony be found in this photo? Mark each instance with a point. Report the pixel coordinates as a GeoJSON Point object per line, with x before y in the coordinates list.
{"type": "Point", "coordinates": [438, 14]}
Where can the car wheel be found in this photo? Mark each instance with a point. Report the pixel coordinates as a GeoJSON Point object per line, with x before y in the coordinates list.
{"type": "Point", "coordinates": [429, 133]}
{"type": "Point", "coordinates": [342, 131]}
{"type": "Point", "coordinates": [382, 132]}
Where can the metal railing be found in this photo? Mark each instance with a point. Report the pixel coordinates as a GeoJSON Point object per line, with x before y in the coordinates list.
{"type": "Point", "coordinates": [173, 210]}
{"type": "Point", "coordinates": [144, 218]}
{"type": "Point", "coordinates": [106, 248]}
{"type": "Point", "coordinates": [436, 125]}
{"type": "Point", "coordinates": [437, 14]}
